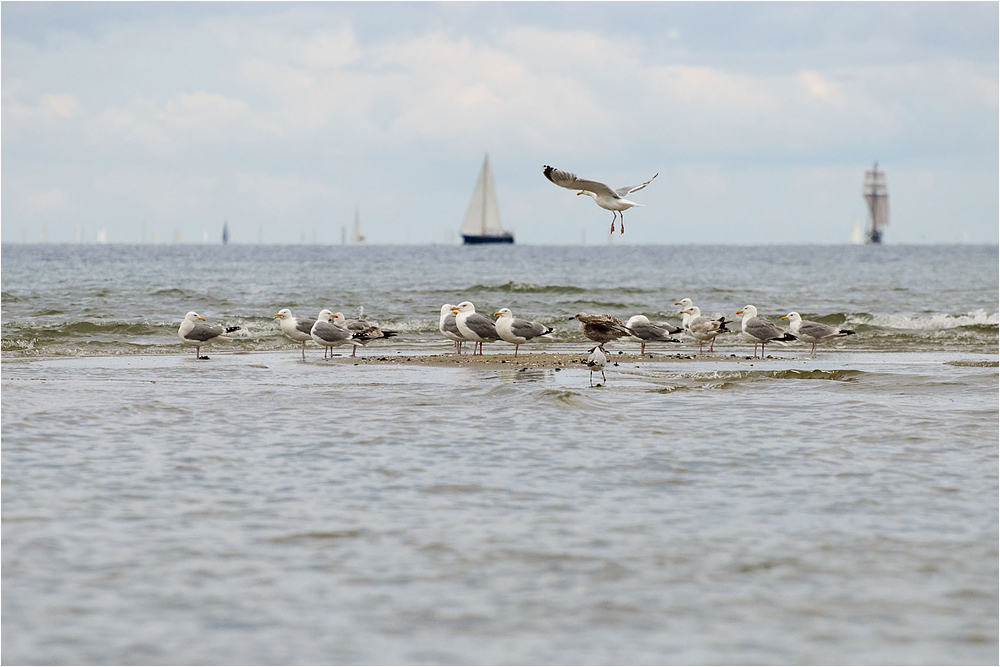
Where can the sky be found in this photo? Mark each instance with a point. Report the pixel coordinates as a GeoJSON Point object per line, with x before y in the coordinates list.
{"type": "Point", "coordinates": [140, 122]}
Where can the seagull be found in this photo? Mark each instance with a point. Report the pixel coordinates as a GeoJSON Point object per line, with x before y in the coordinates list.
{"type": "Point", "coordinates": [685, 303]}
{"type": "Point", "coordinates": [597, 360]}
{"type": "Point", "coordinates": [473, 326]}
{"type": "Point", "coordinates": [193, 332]}
{"type": "Point", "coordinates": [362, 332]}
{"type": "Point", "coordinates": [813, 332]}
{"type": "Point", "coordinates": [298, 329]}
{"type": "Point", "coordinates": [328, 333]}
{"type": "Point", "coordinates": [518, 331]}
{"type": "Point", "coordinates": [447, 326]}
{"type": "Point", "coordinates": [603, 195]}
{"type": "Point", "coordinates": [601, 328]}
{"type": "Point", "coordinates": [646, 332]}
{"type": "Point", "coordinates": [703, 328]}
{"type": "Point", "coordinates": [761, 330]}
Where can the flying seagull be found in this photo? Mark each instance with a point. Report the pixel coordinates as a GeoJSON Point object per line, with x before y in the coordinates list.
{"type": "Point", "coordinates": [813, 332]}
{"type": "Point", "coordinates": [193, 332]}
{"type": "Point", "coordinates": [603, 195]}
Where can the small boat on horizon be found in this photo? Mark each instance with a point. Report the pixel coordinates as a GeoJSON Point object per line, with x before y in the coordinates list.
{"type": "Point", "coordinates": [482, 219]}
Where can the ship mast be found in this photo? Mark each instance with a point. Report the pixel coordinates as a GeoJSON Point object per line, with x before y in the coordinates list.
{"type": "Point", "coordinates": [876, 195]}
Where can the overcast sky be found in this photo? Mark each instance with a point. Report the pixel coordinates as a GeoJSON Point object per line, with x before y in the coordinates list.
{"type": "Point", "coordinates": [156, 119]}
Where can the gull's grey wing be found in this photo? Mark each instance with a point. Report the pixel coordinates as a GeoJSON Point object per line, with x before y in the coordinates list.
{"type": "Point", "coordinates": [817, 330]}
{"type": "Point", "coordinates": [529, 330]}
{"type": "Point", "coordinates": [203, 332]}
{"type": "Point", "coordinates": [628, 189]}
{"type": "Point", "coordinates": [762, 329]}
{"type": "Point", "coordinates": [649, 331]}
{"type": "Point", "coordinates": [304, 325]}
{"type": "Point", "coordinates": [571, 181]}
{"type": "Point", "coordinates": [330, 332]}
{"type": "Point", "coordinates": [482, 326]}
{"type": "Point", "coordinates": [450, 326]}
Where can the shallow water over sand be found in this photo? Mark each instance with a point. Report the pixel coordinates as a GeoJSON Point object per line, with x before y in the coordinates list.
{"type": "Point", "coordinates": [260, 509]}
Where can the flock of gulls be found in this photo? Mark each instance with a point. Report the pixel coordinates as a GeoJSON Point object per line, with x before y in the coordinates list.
{"type": "Point", "coordinates": [461, 324]}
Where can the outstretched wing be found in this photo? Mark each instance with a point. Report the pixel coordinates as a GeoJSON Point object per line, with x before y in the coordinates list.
{"type": "Point", "coordinates": [628, 189]}
{"type": "Point", "coordinates": [570, 181]}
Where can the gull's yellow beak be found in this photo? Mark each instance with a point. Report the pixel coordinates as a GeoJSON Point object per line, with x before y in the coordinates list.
{"type": "Point", "coordinates": [677, 303]}
{"type": "Point", "coordinates": [739, 312]}
{"type": "Point", "coordinates": [784, 317]}
{"type": "Point", "coordinates": [579, 193]}
{"type": "Point", "coordinates": [203, 319]}
{"type": "Point", "coordinates": [496, 314]}
{"type": "Point", "coordinates": [276, 315]}
{"type": "Point", "coordinates": [454, 309]}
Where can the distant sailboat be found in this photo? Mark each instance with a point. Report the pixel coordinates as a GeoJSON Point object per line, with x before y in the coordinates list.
{"type": "Point", "coordinates": [482, 219]}
{"type": "Point", "coordinates": [857, 236]}
{"type": "Point", "coordinates": [356, 237]}
{"type": "Point", "coordinates": [225, 232]}
{"type": "Point", "coordinates": [876, 195]}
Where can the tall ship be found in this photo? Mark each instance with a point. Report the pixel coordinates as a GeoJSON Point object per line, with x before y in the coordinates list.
{"type": "Point", "coordinates": [482, 219]}
{"type": "Point", "coordinates": [877, 197]}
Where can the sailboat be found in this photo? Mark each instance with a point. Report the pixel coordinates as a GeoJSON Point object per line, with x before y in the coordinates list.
{"type": "Point", "coordinates": [482, 219]}
{"type": "Point", "coordinates": [876, 195]}
{"type": "Point", "coordinates": [356, 237]}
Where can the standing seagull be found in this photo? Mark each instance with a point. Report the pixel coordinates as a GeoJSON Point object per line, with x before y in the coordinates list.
{"type": "Point", "coordinates": [296, 328]}
{"type": "Point", "coordinates": [193, 332]}
{"type": "Point", "coordinates": [473, 326]}
{"type": "Point", "coordinates": [703, 328]}
{"type": "Point", "coordinates": [761, 330]}
{"type": "Point", "coordinates": [603, 195]}
{"type": "Point", "coordinates": [447, 326]}
{"type": "Point", "coordinates": [328, 333]}
{"type": "Point", "coordinates": [362, 332]}
{"type": "Point", "coordinates": [518, 331]}
{"type": "Point", "coordinates": [597, 361]}
{"type": "Point", "coordinates": [601, 328]}
{"type": "Point", "coordinates": [646, 332]}
{"type": "Point", "coordinates": [685, 303]}
{"type": "Point", "coordinates": [813, 332]}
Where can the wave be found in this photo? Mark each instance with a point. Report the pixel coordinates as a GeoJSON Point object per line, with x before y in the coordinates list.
{"type": "Point", "coordinates": [977, 318]}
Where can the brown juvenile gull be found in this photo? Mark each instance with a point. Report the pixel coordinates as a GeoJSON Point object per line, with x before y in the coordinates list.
{"type": "Point", "coordinates": [703, 328]}
{"type": "Point", "coordinates": [646, 332]}
{"type": "Point", "coordinates": [518, 331]}
{"type": "Point", "coordinates": [603, 195]}
{"type": "Point", "coordinates": [601, 328]}
{"type": "Point", "coordinates": [597, 361]}
{"type": "Point", "coordinates": [448, 328]}
{"type": "Point", "coordinates": [296, 328]}
{"type": "Point", "coordinates": [362, 332]}
{"type": "Point", "coordinates": [813, 332]}
{"type": "Point", "coordinates": [761, 330]}
{"type": "Point", "coordinates": [475, 327]}
{"type": "Point", "coordinates": [193, 332]}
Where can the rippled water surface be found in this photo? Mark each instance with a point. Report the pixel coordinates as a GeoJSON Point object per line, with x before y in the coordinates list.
{"type": "Point", "coordinates": [256, 508]}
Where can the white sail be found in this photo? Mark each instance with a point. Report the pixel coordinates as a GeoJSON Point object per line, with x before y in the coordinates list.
{"type": "Point", "coordinates": [483, 214]}
{"type": "Point", "coordinates": [857, 237]}
{"type": "Point", "coordinates": [876, 195]}
{"type": "Point", "coordinates": [356, 237]}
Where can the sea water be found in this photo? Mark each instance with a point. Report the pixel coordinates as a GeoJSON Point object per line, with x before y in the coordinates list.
{"type": "Point", "coordinates": [257, 508]}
